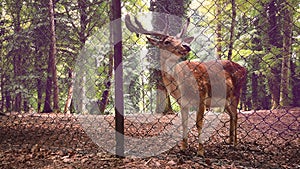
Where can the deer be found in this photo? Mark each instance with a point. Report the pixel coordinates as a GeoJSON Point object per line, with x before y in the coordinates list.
{"type": "Point", "coordinates": [189, 82]}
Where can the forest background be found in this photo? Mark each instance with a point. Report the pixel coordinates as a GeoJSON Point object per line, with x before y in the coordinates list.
{"type": "Point", "coordinates": [42, 40]}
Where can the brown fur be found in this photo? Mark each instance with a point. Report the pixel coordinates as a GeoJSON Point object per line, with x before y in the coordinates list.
{"type": "Point", "coordinates": [235, 76]}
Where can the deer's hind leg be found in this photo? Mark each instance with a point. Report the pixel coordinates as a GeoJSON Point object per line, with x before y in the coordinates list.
{"type": "Point", "coordinates": [231, 108]}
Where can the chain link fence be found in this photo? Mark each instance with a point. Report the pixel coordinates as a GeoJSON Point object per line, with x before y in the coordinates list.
{"type": "Point", "coordinates": [77, 129]}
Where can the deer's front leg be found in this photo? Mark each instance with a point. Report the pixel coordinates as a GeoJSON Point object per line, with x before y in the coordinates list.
{"type": "Point", "coordinates": [184, 114]}
{"type": "Point", "coordinates": [199, 124]}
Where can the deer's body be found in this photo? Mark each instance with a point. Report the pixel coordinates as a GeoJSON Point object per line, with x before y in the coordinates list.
{"type": "Point", "coordinates": [198, 70]}
{"type": "Point", "coordinates": [195, 83]}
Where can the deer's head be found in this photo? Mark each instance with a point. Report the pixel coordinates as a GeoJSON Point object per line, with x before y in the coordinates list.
{"type": "Point", "coordinates": [174, 44]}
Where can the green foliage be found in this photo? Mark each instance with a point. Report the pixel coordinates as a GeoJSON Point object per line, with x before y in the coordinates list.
{"type": "Point", "coordinates": [24, 46]}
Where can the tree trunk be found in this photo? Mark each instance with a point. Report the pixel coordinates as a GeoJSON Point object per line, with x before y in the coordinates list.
{"type": "Point", "coordinates": [163, 102]}
{"type": "Point", "coordinates": [82, 100]}
{"type": "Point", "coordinates": [17, 73]}
{"type": "Point", "coordinates": [82, 38]}
{"type": "Point", "coordinates": [107, 83]}
{"type": "Point", "coordinates": [285, 100]}
{"type": "Point", "coordinates": [26, 106]}
{"type": "Point", "coordinates": [51, 71]}
{"type": "Point", "coordinates": [255, 64]}
{"type": "Point", "coordinates": [233, 23]}
{"type": "Point", "coordinates": [275, 41]}
{"type": "Point", "coordinates": [39, 94]}
{"type": "Point", "coordinates": [295, 83]}
{"type": "Point", "coordinates": [47, 103]}
{"type": "Point", "coordinates": [218, 29]}
{"type": "Point", "coordinates": [245, 103]}
{"type": "Point", "coordinates": [254, 86]}
{"type": "Point", "coordinates": [2, 93]}
{"type": "Point", "coordinates": [70, 92]}
{"type": "Point", "coordinates": [7, 101]}
{"type": "Point", "coordinates": [52, 54]}
{"type": "Point", "coordinates": [40, 80]}
{"type": "Point", "coordinates": [17, 61]}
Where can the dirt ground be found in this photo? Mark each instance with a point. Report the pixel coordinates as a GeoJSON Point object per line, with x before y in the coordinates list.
{"type": "Point", "coordinates": [267, 139]}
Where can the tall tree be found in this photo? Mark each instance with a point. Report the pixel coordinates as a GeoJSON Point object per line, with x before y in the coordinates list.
{"type": "Point", "coordinates": [16, 52]}
{"type": "Point", "coordinates": [275, 44]}
{"type": "Point", "coordinates": [2, 74]}
{"type": "Point", "coordinates": [52, 54]}
{"type": "Point", "coordinates": [285, 91]}
{"type": "Point", "coordinates": [219, 29]}
{"type": "Point", "coordinates": [51, 71]}
{"type": "Point", "coordinates": [71, 77]}
{"type": "Point", "coordinates": [163, 104]}
{"type": "Point", "coordinates": [89, 15]}
{"type": "Point", "coordinates": [232, 29]}
{"type": "Point", "coordinates": [41, 43]}
{"type": "Point", "coordinates": [83, 35]}
{"type": "Point", "coordinates": [258, 93]}
{"type": "Point", "coordinates": [17, 74]}
{"type": "Point", "coordinates": [107, 83]}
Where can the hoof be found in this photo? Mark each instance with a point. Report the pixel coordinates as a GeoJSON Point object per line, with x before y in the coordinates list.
{"type": "Point", "coordinates": [230, 142]}
{"type": "Point", "coordinates": [183, 145]}
{"type": "Point", "coordinates": [200, 153]}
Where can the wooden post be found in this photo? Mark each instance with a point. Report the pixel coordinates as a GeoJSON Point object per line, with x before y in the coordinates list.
{"type": "Point", "coordinates": [118, 68]}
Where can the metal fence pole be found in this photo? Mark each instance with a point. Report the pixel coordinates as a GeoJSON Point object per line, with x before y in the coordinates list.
{"type": "Point", "coordinates": [119, 101]}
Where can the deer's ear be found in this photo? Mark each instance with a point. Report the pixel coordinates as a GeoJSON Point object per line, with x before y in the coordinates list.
{"type": "Point", "coordinates": [188, 40]}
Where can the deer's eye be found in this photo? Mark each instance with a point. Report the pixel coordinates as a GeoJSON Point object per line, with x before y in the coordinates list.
{"type": "Point", "coordinates": [167, 42]}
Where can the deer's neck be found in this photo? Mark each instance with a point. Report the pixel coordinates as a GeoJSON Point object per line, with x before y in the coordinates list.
{"type": "Point", "coordinates": [168, 61]}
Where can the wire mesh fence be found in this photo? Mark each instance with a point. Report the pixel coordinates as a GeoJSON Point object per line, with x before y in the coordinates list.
{"type": "Point", "coordinates": [58, 95]}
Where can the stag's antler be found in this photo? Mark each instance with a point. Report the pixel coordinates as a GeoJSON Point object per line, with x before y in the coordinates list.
{"type": "Point", "coordinates": [139, 28]}
{"type": "Point", "coordinates": [184, 29]}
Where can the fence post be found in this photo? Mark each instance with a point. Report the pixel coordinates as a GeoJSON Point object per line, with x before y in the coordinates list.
{"type": "Point", "coordinates": [118, 68]}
